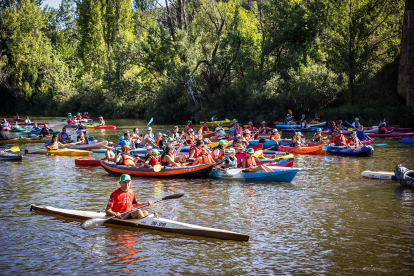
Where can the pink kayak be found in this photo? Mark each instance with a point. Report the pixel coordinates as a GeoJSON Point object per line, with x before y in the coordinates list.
{"type": "Point", "coordinates": [393, 128]}
{"type": "Point", "coordinates": [392, 134]}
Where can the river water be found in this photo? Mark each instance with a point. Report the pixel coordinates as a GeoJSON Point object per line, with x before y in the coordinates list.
{"type": "Point", "coordinates": [329, 220]}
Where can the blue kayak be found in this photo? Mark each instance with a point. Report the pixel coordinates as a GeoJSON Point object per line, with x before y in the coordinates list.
{"type": "Point", "coordinates": [270, 143]}
{"type": "Point", "coordinates": [278, 175]}
{"type": "Point", "coordinates": [312, 129]}
{"type": "Point", "coordinates": [38, 132]}
{"type": "Point", "coordinates": [364, 151]}
{"type": "Point", "coordinates": [406, 141]}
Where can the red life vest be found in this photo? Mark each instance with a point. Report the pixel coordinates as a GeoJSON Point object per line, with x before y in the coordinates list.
{"type": "Point", "coordinates": [205, 158]}
{"type": "Point", "coordinates": [154, 161]}
{"type": "Point", "coordinates": [249, 161]}
{"type": "Point", "coordinates": [205, 128]}
{"type": "Point", "coordinates": [197, 151]}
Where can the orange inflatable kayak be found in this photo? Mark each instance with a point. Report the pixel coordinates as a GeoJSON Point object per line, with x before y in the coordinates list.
{"type": "Point", "coordinates": [315, 150]}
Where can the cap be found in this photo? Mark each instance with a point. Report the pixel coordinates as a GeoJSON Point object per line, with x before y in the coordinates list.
{"type": "Point", "coordinates": [303, 115]}
{"type": "Point", "coordinates": [274, 130]}
{"type": "Point", "coordinates": [299, 133]}
{"type": "Point", "coordinates": [126, 130]}
{"type": "Point", "coordinates": [190, 130]}
{"type": "Point", "coordinates": [356, 119]}
{"type": "Point", "coordinates": [319, 129]}
{"type": "Point", "coordinates": [125, 177]}
{"type": "Point", "coordinates": [247, 131]}
{"type": "Point", "coordinates": [222, 142]}
{"type": "Point", "coordinates": [110, 144]}
{"type": "Point", "coordinates": [220, 123]}
{"type": "Point", "coordinates": [148, 147]}
{"type": "Point", "coordinates": [235, 120]}
{"type": "Point", "coordinates": [150, 128]}
{"type": "Point", "coordinates": [189, 121]}
{"type": "Point", "coordinates": [244, 140]}
{"type": "Point", "coordinates": [126, 147]}
{"type": "Point", "coordinates": [250, 150]}
{"type": "Point", "coordinates": [159, 133]}
{"type": "Point", "coordinates": [154, 152]}
{"type": "Point", "coordinates": [238, 135]}
{"type": "Point", "coordinates": [263, 122]}
{"type": "Point", "coordinates": [204, 147]}
{"type": "Point", "coordinates": [165, 135]}
{"type": "Point", "coordinates": [231, 150]}
{"type": "Point", "coordinates": [100, 117]}
{"type": "Point", "coordinates": [340, 132]}
{"type": "Point", "coordinates": [169, 139]}
{"type": "Point", "coordinates": [288, 114]}
{"type": "Point", "coordinates": [353, 132]}
{"type": "Point", "coordinates": [250, 123]}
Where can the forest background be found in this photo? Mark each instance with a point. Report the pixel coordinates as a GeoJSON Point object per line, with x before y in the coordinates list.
{"type": "Point", "coordinates": [180, 59]}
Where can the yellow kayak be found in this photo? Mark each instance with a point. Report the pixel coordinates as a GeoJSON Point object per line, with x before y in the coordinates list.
{"type": "Point", "coordinates": [226, 122]}
{"type": "Point", "coordinates": [65, 152]}
{"type": "Point", "coordinates": [25, 140]}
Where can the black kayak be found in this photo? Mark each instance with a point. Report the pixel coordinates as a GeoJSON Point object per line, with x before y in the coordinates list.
{"type": "Point", "coordinates": [6, 156]}
{"type": "Point", "coordinates": [404, 176]}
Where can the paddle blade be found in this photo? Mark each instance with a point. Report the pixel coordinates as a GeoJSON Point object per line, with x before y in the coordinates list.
{"type": "Point", "coordinates": [174, 196]}
{"type": "Point", "coordinates": [258, 153]}
{"type": "Point", "coordinates": [150, 121]}
{"type": "Point", "coordinates": [320, 114]}
{"type": "Point", "coordinates": [157, 168]}
{"type": "Point", "coordinates": [233, 172]}
{"type": "Point", "coordinates": [92, 223]}
{"type": "Point", "coordinates": [15, 148]}
{"type": "Point", "coordinates": [290, 112]}
{"type": "Point", "coordinates": [225, 128]}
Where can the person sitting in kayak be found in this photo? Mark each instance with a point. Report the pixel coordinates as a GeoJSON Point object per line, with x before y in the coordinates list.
{"type": "Point", "coordinates": [54, 144]}
{"type": "Point", "coordinates": [167, 157]}
{"type": "Point", "coordinates": [232, 124]}
{"type": "Point", "coordinates": [214, 118]}
{"type": "Point", "coordinates": [316, 118]}
{"type": "Point", "coordinates": [126, 141]}
{"type": "Point", "coordinates": [122, 136]}
{"type": "Point", "coordinates": [45, 131]}
{"type": "Point", "coordinates": [382, 127]}
{"type": "Point", "coordinates": [17, 116]}
{"type": "Point", "coordinates": [189, 125]}
{"type": "Point", "coordinates": [237, 129]}
{"type": "Point", "coordinates": [6, 125]}
{"type": "Point", "coordinates": [204, 157]}
{"type": "Point", "coordinates": [244, 143]}
{"type": "Point", "coordinates": [190, 137]}
{"type": "Point", "coordinates": [69, 119]}
{"type": "Point", "coordinates": [263, 128]}
{"type": "Point", "coordinates": [303, 118]}
{"type": "Point", "coordinates": [356, 124]}
{"type": "Point", "coordinates": [158, 138]}
{"type": "Point", "coordinates": [247, 135]}
{"type": "Point", "coordinates": [218, 152]}
{"type": "Point", "coordinates": [109, 153]}
{"type": "Point", "coordinates": [149, 138]}
{"type": "Point", "coordinates": [304, 125]}
{"type": "Point", "coordinates": [27, 121]}
{"type": "Point", "coordinates": [175, 134]}
{"type": "Point", "coordinates": [135, 137]}
{"type": "Point", "coordinates": [152, 160]}
{"type": "Point", "coordinates": [163, 142]}
{"type": "Point", "coordinates": [128, 160]}
{"type": "Point", "coordinates": [230, 162]}
{"type": "Point", "coordinates": [205, 127]}
{"type": "Point", "coordinates": [80, 139]}
{"type": "Point", "coordinates": [63, 137]}
{"type": "Point", "coordinates": [101, 121]}
{"type": "Point", "coordinates": [296, 140]}
{"type": "Point", "coordinates": [199, 135]}
{"type": "Point", "coordinates": [339, 124]}
{"type": "Point", "coordinates": [195, 150]}
{"type": "Point", "coordinates": [15, 125]}
{"type": "Point", "coordinates": [251, 127]}
{"type": "Point", "coordinates": [80, 126]}
{"type": "Point", "coordinates": [288, 119]}
{"type": "Point", "coordinates": [123, 199]}
{"type": "Point", "coordinates": [317, 137]}
{"type": "Point", "coordinates": [249, 163]}
{"type": "Point", "coordinates": [353, 141]}
{"type": "Point", "coordinates": [3, 134]}
{"type": "Point", "coordinates": [339, 140]}
{"type": "Point", "coordinates": [333, 127]}
{"type": "Point", "coordinates": [220, 131]}
{"type": "Point", "coordinates": [177, 158]}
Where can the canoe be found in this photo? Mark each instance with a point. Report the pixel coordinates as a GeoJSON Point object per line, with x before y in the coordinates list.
{"type": "Point", "coordinates": [269, 143]}
{"type": "Point", "coordinates": [392, 134]}
{"type": "Point", "coordinates": [406, 141]}
{"type": "Point", "coordinates": [315, 150]}
{"type": "Point", "coordinates": [312, 129]}
{"type": "Point", "coordinates": [281, 175]}
{"type": "Point", "coordinates": [208, 135]}
{"type": "Point", "coordinates": [87, 162]}
{"type": "Point", "coordinates": [24, 140]}
{"type": "Point", "coordinates": [150, 222]}
{"type": "Point", "coordinates": [282, 125]}
{"type": "Point", "coordinates": [7, 156]}
{"type": "Point", "coordinates": [100, 145]}
{"type": "Point", "coordinates": [100, 127]}
{"type": "Point", "coordinates": [176, 172]}
{"type": "Point", "coordinates": [379, 175]}
{"type": "Point", "coordinates": [365, 151]}
{"type": "Point", "coordinates": [62, 152]}
{"type": "Point", "coordinates": [225, 122]}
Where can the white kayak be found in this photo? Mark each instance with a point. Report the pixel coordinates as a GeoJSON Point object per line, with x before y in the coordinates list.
{"type": "Point", "coordinates": [282, 125]}
{"type": "Point", "coordinates": [379, 175]}
{"type": "Point", "coordinates": [151, 222]}
{"type": "Point", "coordinates": [100, 145]}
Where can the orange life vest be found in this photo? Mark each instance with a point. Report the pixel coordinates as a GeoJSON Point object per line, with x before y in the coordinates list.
{"type": "Point", "coordinates": [249, 161]}
{"type": "Point", "coordinates": [275, 137]}
{"type": "Point", "coordinates": [128, 160]}
{"type": "Point", "coordinates": [217, 156]}
{"type": "Point", "coordinates": [205, 158]}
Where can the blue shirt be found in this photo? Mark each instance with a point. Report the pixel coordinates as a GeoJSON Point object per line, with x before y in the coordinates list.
{"type": "Point", "coordinates": [125, 142]}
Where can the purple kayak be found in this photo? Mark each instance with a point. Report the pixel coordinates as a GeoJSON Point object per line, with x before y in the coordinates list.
{"type": "Point", "coordinates": [391, 134]}
{"type": "Point", "coordinates": [392, 128]}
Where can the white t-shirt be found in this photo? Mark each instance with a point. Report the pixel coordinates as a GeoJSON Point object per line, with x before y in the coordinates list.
{"type": "Point", "coordinates": [220, 131]}
{"type": "Point", "coordinates": [149, 135]}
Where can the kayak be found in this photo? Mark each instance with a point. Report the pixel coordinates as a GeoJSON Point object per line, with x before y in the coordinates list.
{"type": "Point", "coordinates": [100, 127]}
{"type": "Point", "coordinates": [365, 151]}
{"type": "Point", "coordinates": [167, 171]}
{"type": "Point", "coordinates": [100, 145]}
{"type": "Point", "coordinates": [278, 175]}
{"type": "Point", "coordinates": [312, 129]}
{"type": "Point", "coordinates": [38, 132]}
{"type": "Point", "coordinates": [283, 162]}
{"type": "Point", "coordinates": [31, 124]}
{"type": "Point", "coordinates": [25, 140]}
{"type": "Point", "coordinates": [87, 162]}
{"type": "Point", "coordinates": [63, 152]}
{"type": "Point", "coordinates": [270, 143]}
{"type": "Point", "coordinates": [7, 156]}
{"type": "Point", "coordinates": [390, 128]}
{"type": "Point", "coordinates": [208, 135]}
{"type": "Point", "coordinates": [404, 176]}
{"type": "Point", "coordinates": [379, 175]}
{"type": "Point", "coordinates": [18, 130]}
{"type": "Point", "coordinates": [81, 131]}
{"type": "Point", "coordinates": [406, 141]}
{"type": "Point", "coordinates": [226, 122]}
{"type": "Point", "coordinates": [71, 126]}
{"type": "Point", "coordinates": [282, 125]}
{"type": "Point", "coordinates": [392, 134]}
{"type": "Point", "coordinates": [315, 150]}
{"type": "Point", "coordinates": [151, 222]}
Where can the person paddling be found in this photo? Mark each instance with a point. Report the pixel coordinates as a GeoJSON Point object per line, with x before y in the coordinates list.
{"type": "Point", "coordinates": [54, 144]}
{"type": "Point", "coordinates": [356, 125]}
{"type": "Point", "coordinates": [152, 160]}
{"type": "Point", "coordinates": [205, 127]}
{"type": "Point", "coordinates": [6, 125]}
{"type": "Point", "coordinates": [249, 163]}
{"type": "Point", "coordinates": [353, 141]}
{"type": "Point", "coordinates": [122, 201]}
{"type": "Point", "coordinates": [3, 134]}
{"type": "Point", "coordinates": [220, 131]}
{"type": "Point", "coordinates": [63, 137]}
{"type": "Point", "coordinates": [218, 152]}
{"type": "Point", "coordinates": [128, 160]}
{"type": "Point", "coordinates": [339, 140]}
{"type": "Point", "coordinates": [109, 153]}
{"type": "Point", "coordinates": [263, 128]}
{"type": "Point", "coordinates": [45, 131]}
{"type": "Point", "coordinates": [296, 140]}
{"type": "Point", "coordinates": [252, 128]}
{"type": "Point", "coordinates": [101, 121]}
{"type": "Point", "coordinates": [317, 137]}
{"type": "Point", "coordinates": [27, 121]}
{"type": "Point", "coordinates": [204, 157]}
{"type": "Point", "coordinates": [189, 125]}
{"type": "Point", "coordinates": [167, 157]}
{"type": "Point", "coordinates": [230, 161]}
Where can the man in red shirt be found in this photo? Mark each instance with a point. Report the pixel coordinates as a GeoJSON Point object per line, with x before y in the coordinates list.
{"type": "Point", "coordinates": [339, 140]}
{"type": "Point", "coordinates": [122, 200]}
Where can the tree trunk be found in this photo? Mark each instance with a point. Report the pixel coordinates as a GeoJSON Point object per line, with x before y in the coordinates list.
{"type": "Point", "coordinates": [405, 86]}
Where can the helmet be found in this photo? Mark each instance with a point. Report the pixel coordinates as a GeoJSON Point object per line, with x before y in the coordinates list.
{"type": "Point", "coordinates": [250, 150]}
{"type": "Point", "coordinates": [222, 142]}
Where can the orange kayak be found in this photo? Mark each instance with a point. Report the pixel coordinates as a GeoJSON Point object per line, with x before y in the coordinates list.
{"type": "Point", "coordinates": [208, 135]}
{"type": "Point", "coordinates": [315, 150]}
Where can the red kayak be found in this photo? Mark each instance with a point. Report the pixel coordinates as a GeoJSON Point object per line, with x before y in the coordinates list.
{"type": "Point", "coordinates": [87, 162]}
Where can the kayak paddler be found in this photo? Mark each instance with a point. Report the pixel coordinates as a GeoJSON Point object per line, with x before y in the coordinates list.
{"type": "Point", "coordinates": [3, 134]}
{"type": "Point", "coordinates": [109, 153]}
{"type": "Point", "coordinates": [204, 157]}
{"type": "Point", "coordinates": [27, 121]}
{"type": "Point", "coordinates": [353, 141]}
{"type": "Point", "coordinates": [128, 160]}
{"type": "Point", "coordinates": [63, 136]}
{"type": "Point", "coordinates": [296, 139]}
{"type": "Point", "coordinates": [339, 140]}
{"type": "Point", "coordinates": [249, 163]}
{"type": "Point", "coordinates": [101, 121]}
{"type": "Point", "coordinates": [149, 138]}
{"type": "Point", "coordinates": [317, 137]}
{"type": "Point", "coordinates": [152, 160]}
{"type": "Point", "coordinates": [122, 201]}
{"type": "Point", "coordinates": [54, 144]}
{"type": "Point", "coordinates": [220, 131]}
{"type": "Point", "coordinates": [263, 128]}
{"type": "Point", "coordinates": [189, 125]}
{"type": "Point", "coordinates": [230, 161]}
{"type": "Point", "coordinates": [356, 124]}
{"type": "Point", "coordinates": [251, 127]}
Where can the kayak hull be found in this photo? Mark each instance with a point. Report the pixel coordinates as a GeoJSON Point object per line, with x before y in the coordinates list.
{"type": "Point", "coordinates": [226, 122]}
{"type": "Point", "coordinates": [316, 150]}
{"type": "Point", "coordinates": [150, 222]}
{"type": "Point", "coordinates": [170, 172]}
{"type": "Point", "coordinates": [281, 125]}
{"type": "Point", "coordinates": [406, 141]}
{"type": "Point", "coordinates": [87, 162]}
{"type": "Point", "coordinates": [24, 140]}
{"type": "Point", "coordinates": [7, 156]}
{"type": "Point", "coordinates": [208, 135]}
{"type": "Point", "coordinates": [392, 134]}
{"type": "Point", "coordinates": [285, 175]}
{"type": "Point", "coordinates": [100, 145]}
{"type": "Point", "coordinates": [365, 151]}
{"type": "Point", "coordinates": [101, 127]}
{"type": "Point", "coordinates": [61, 152]}
{"type": "Point", "coordinates": [379, 175]}
{"type": "Point", "coordinates": [312, 129]}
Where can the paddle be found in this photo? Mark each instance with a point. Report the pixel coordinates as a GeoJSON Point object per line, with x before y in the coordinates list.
{"type": "Point", "coordinates": [232, 172]}
{"type": "Point", "coordinates": [158, 168]}
{"type": "Point", "coordinates": [92, 223]}
{"type": "Point", "coordinates": [290, 112]}
{"type": "Point", "coordinates": [348, 123]}
{"type": "Point", "coordinates": [320, 114]}
{"type": "Point", "coordinates": [13, 149]}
